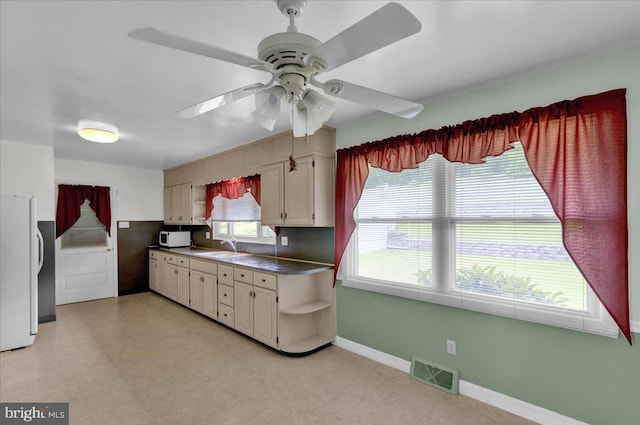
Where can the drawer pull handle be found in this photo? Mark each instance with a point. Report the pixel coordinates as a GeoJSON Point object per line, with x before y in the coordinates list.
{"type": "Point", "coordinates": [225, 315]}
{"type": "Point", "coordinates": [264, 280]}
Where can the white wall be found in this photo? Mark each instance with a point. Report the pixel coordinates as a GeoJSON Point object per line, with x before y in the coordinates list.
{"type": "Point", "coordinates": [139, 191]}
{"type": "Point", "coordinates": [615, 70]}
{"type": "Point", "coordinates": [27, 169]}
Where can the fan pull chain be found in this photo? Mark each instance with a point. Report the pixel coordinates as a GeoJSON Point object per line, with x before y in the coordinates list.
{"type": "Point", "coordinates": [292, 162]}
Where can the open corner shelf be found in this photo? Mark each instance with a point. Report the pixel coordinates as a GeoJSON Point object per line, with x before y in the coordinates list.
{"type": "Point", "coordinates": [306, 345]}
{"type": "Point", "coordinates": [307, 308]}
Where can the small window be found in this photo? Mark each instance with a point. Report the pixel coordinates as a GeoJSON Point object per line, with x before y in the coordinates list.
{"type": "Point", "coordinates": [244, 231]}
{"type": "Point", "coordinates": [239, 218]}
{"type": "Point", "coordinates": [86, 232]}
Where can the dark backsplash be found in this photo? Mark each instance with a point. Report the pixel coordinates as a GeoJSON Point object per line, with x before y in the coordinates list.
{"type": "Point", "coordinates": [47, 275]}
{"type": "Point", "coordinates": [309, 243]}
{"type": "Point", "coordinates": [133, 263]}
{"type": "Point", "coordinates": [305, 243]}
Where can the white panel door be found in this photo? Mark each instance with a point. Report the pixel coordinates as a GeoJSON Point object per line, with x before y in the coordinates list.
{"type": "Point", "coordinates": [85, 260]}
{"type": "Point", "coordinates": [84, 274]}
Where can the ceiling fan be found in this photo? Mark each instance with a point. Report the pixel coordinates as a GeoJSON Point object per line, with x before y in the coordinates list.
{"type": "Point", "coordinates": [295, 59]}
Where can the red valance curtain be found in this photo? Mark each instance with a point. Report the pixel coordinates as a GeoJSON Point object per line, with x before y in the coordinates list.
{"type": "Point", "coordinates": [575, 149]}
{"type": "Point", "coordinates": [233, 189]}
{"type": "Point", "coordinates": [71, 197]}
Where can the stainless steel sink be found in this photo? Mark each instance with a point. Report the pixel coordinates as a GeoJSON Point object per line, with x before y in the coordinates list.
{"type": "Point", "coordinates": [219, 254]}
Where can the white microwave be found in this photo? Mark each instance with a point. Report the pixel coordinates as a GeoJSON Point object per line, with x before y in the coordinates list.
{"type": "Point", "coordinates": [172, 239]}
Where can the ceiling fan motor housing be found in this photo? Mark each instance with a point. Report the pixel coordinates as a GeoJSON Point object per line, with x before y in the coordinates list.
{"type": "Point", "coordinates": [287, 52]}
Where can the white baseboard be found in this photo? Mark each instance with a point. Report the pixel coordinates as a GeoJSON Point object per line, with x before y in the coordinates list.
{"type": "Point", "coordinates": [513, 405]}
{"type": "Point", "coordinates": [635, 326]}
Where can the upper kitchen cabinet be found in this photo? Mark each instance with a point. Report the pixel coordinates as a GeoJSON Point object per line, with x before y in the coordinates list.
{"type": "Point", "coordinates": [184, 204]}
{"type": "Point", "coordinates": [298, 197]}
{"type": "Point", "coordinates": [304, 197]}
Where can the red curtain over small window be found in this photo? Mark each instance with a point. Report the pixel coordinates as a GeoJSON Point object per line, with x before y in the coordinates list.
{"type": "Point", "coordinates": [575, 149]}
{"type": "Point", "coordinates": [233, 189]}
{"type": "Point", "coordinates": [71, 197]}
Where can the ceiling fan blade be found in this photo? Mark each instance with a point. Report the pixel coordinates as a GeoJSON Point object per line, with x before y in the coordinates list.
{"type": "Point", "coordinates": [372, 98]}
{"type": "Point", "coordinates": [152, 35]}
{"type": "Point", "coordinates": [218, 101]}
{"type": "Point", "coordinates": [383, 27]}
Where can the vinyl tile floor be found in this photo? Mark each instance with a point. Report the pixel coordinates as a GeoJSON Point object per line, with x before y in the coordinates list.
{"type": "Point", "coordinates": [142, 359]}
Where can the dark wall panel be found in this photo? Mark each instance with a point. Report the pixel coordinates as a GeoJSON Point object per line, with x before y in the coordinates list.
{"type": "Point", "coordinates": [305, 243]}
{"type": "Point", "coordinates": [47, 275]}
{"type": "Point", "coordinates": [133, 264]}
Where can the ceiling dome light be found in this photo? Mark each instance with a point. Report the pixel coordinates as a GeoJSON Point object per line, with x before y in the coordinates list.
{"type": "Point", "coordinates": [97, 132]}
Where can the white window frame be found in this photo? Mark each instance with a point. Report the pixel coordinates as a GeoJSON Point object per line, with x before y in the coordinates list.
{"type": "Point", "coordinates": [260, 239]}
{"type": "Point", "coordinates": [594, 320]}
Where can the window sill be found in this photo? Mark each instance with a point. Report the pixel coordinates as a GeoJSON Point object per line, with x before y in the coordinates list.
{"type": "Point", "coordinates": [599, 323]}
{"type": "Point", "coordinates": [248, 240]}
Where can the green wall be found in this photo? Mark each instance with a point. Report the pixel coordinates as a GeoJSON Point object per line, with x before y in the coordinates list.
{"type": "Point", "coordinates": [591, 378]}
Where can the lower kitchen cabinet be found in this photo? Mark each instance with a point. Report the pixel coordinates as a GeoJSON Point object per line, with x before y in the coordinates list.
{"type": "Point", "coordinates": [157, 271]}
{"type": "Point", "coordinates": [265, 316]}
{"type": "Point", "coordinates": [256, 312]}
{"type": "Point", "coordinates": [293, 313]}
{"type": "Point", "coordinates": [203, 290]}
{"type": "Point", "coordinates": [177, 278]}
{"type": "Point", "coordinates": [153, 274]}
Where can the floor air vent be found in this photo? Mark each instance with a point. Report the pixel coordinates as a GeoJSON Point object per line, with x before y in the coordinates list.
{"type": "Point", "coordinates": [435, 375]}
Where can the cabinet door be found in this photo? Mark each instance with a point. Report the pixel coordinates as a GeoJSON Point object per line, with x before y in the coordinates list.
{"type": "Point", "coordinates": [162, 274]}
{"type": "Point", "coordinates": [243, 307]}
{"type": "Point", "coordinates": [265, 326]}
{"type": "Point", "coordinates": [196, 281]}
{"type": "Point", "coordinates": [272, 194]}
{"type": "Point", "coordinates": [183, 285]}
{"type": "Point", "coordinates": [186, 203]}
{"type": "Point", "coordinates": [171, 280]}
{"type": "Point", "coordinates": [209, 295]}
{"type": "Point", "coordinates": [168, 205]}
{"type": "Point", "coordinates": [298, 195]}
{"type": "Point", "coordinates": [176, 205]}
{"type": "Point", "coordinates": [153, 274]}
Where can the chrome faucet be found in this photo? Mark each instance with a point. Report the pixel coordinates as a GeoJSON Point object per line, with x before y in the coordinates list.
{"type": "Point", "coordinates": [233, 243]}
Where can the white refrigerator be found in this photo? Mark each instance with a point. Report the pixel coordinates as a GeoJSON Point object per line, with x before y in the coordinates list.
{"type": "Point", "coordinates": [21, 255]}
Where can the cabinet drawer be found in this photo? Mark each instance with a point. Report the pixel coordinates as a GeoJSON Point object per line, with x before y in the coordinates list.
{"type": "Point", "coordinates": [154, 254]}
{"type": "Point", "coordinates": [267, 281]}
{"type": "Point", "coordinates": [243, 275]}
{"type": "Point", "coordinates": [178, 260]}
{"type": "Point", "coordinates": [204, 266]}
{"type": "Point", "coordinates": [225, 274]}
{"type": "Point", "coordinates": [225, 295]}
{"type": "Point", "coordinates": [226, 315]}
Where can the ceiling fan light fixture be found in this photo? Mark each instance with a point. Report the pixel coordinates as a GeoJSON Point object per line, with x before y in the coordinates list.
{"type": "Point", "coordinates": [319, 107]}
{"type": "Point", "coordinates": [268, 106]}
{"type": "Point", "coordinates": [98, 132]}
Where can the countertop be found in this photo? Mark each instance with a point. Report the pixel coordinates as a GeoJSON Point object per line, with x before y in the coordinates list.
{"type": "Point", "coordinates": [257, 262]}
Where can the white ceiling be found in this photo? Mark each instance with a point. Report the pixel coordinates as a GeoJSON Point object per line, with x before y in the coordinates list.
{"type": "Point", "coordinates": [62, 61]}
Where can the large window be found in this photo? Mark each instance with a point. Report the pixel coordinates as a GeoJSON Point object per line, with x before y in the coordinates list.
{"type": "Point", "coordinates": [482, 237]}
